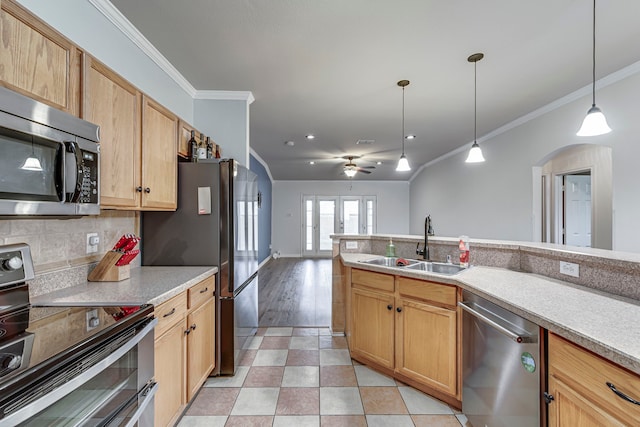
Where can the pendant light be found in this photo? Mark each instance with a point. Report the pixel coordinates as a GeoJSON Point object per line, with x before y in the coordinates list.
{"type": "Point", "coordinates": [403, 163]}
{"type": "Point", "coordinates": [475, 154]}
{"type": "Point", "coordinates": [595, 123]}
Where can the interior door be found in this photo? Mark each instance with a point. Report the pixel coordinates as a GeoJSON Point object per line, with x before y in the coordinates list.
{"type": "Point", "coordinates": [577, 210]}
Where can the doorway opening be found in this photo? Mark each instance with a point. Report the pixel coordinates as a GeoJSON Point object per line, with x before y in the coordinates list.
{"type": "Point", "coordinates": [573, 197]}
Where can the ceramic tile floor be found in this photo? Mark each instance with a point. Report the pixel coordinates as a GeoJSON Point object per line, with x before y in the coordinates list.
{"type": "Point", "coordinates": [304, 377]}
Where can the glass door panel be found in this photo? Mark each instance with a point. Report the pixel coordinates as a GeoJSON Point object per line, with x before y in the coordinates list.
{"type": "Point", "coordinates": [327, 223]}
{"type": "Point", "coordinates": [351, 216]}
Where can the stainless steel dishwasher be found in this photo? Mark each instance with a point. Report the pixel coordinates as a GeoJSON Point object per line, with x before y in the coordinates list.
{"type": "Point", "coordinates": [501, 366]}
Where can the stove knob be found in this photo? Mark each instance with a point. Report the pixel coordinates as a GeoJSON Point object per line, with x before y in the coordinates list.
{"type": "Point", "coordinates": [12, 361]}
{"type": "Point", "coordinates": [12, 263]}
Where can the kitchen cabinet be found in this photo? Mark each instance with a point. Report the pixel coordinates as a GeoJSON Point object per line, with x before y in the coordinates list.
{"type": "Point", "coordinates": [114, 104]}
{"type": "Point", "coordinates": [37, 61]}
{"type": "Point", "coordinates": [407, 328]}
{"type": "Point", "coordinates": [578, 383]}
{"type": "Point", "coordinates": [184, 348]}
{"type": "Point", "coordinates": [138, 164]}
{"type": "Point", "coordinates": [159, 183]}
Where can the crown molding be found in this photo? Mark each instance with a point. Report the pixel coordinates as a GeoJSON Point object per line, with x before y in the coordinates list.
{"type": "Point", "coordinates": [605, 81]}
{"type": "Point", "coordinates": [132, 33]}
{"type": "Point", "coordinates": [225, 95]}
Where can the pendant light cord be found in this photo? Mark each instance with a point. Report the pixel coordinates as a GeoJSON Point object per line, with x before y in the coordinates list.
{"type": "Point", "coordinates": [593, 88]}
{"type": "Point", "coordinates": [475, 101]}
{"type": "Point", "coordinates": [403, 120]}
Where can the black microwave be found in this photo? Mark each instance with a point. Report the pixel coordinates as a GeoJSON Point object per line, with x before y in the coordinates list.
{"type": "Point", "coordinates": [49, 160]}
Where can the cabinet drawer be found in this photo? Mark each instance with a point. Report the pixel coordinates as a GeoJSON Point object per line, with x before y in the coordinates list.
{"type": "Point", "coordinates": [588, 374]}
{"type": "Point", "coordinates": [383, 282]}
{"type": "Point", "coordinates": [427, 291]}
{"type": "Point", "coordinates": [201, 292]}
{"type": "Point", "coordinates": [169, 312]}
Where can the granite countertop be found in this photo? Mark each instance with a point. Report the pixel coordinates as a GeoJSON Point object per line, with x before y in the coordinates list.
{"type": "Point", "coordinates": [147, 285]}
{"type": "Point", "coordinates": [600, 322]}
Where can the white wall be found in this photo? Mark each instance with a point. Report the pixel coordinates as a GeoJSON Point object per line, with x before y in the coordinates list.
{"type": "Point", "coordinates": [495, 199]}
{"type": "Point", "coordinates": [227, 123]}
{"type": "Point", "coordinates": [82, 23]}
{"type": "Point", "coordinates": [392, 207]}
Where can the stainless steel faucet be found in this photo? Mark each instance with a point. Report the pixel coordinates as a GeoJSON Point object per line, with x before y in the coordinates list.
{"type": "Point", "coordinates": [428, 231]}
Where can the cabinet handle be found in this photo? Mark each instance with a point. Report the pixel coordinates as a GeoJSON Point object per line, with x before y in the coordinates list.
{"type": "Point", "coordinates": [188, 331]}
{"type": "Point", "coordinates": [138, 189]}
{"type": "Point", "coordinates": [147, 190]}
{"type": "Point", "coordinates": [389, 307]}
{"type": "Point", "coordinates": [173, 310]}
{"type": "Point", "coordinates": [204, 290]}
{"type": "Point", "coordinates": [399, 309]}
{"type": "Point", "coordinates": [622, 395]}
{"type": "Point", "coordinates": [193, 327]}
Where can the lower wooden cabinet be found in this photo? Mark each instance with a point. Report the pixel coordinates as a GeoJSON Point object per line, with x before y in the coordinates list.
{"type": "Point", "coordinates": [578, 383]}
{"type": "Point", "coordinates": [170, 375]}
{"type": "Point", "coordinates": [200, 357]}
{"type": "Point", "coordinates": [184, 349]}
{"type": "Point", "coordinates": [407, 328]}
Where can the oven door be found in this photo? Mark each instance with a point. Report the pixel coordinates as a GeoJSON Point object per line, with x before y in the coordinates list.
{"type": "Point", "coordinates": [112, 385]}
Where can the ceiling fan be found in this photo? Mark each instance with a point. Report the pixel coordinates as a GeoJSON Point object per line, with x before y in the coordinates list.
{"type": "Point", "coordinates": [350, 168]}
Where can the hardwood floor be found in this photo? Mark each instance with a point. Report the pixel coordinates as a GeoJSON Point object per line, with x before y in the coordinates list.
{"type": "Point", "coordinates": [295, 292]}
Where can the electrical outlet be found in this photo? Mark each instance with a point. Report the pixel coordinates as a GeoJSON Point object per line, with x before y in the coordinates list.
{"type": "Point", "coordinates": [570, 269]}
{"type": "Point", "coordinates": [92, 242]}
{"type": "Point", "coordinates": [93, 321]}
{"type": "Point", "coordinates": [351, 245]}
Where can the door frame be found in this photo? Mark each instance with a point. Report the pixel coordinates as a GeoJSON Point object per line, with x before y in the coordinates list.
{"type": "Point", "coordinates": [315, 220]}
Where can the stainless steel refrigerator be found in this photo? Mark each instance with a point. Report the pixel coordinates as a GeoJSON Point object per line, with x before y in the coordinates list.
{"type": "Point", "coordinates": [216, 224]}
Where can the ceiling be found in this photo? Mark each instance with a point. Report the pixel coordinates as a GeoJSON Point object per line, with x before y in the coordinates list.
{"type": "Point", "coordinates": [330, 68]}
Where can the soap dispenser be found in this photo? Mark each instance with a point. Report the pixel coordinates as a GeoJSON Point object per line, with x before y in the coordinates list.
{"type": "Point", "coordinates": [391, 248]}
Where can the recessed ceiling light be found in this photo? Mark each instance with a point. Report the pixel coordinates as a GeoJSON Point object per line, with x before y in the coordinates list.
{"type": "Point", "coordinates": [312, 162]}
{"type": "Point", "coordinates": [289, 143]}
{"type": "Point", "coordinates": [410, 137]}
{"type": "Point", "coordinates": [378, 163]}
{"type": "Point", "coordinates": [310, 136]}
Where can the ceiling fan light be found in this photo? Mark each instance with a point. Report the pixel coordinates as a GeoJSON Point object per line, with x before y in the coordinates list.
{"type": "Point", "coordinates": [32, 164]}
{"type": "Point", "coordinates": [595, 123]}
{"type": "Point", "coordinates": [403, 164]}
{"type": "Point", "coordinates": [350, 171]}
{"type": "Point", "coordinates": [475, 154]}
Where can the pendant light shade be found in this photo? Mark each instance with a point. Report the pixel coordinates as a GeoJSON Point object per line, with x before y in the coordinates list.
{"type": "Point", "coordinates": [475, 154]}
{"type": "Point", "coordinates": [403, 163]}
{"type": "Point", "coordinates": [595, 123]}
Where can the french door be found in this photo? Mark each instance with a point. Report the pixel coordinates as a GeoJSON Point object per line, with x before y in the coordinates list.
{"type": "Point", "coordinates": [327, 215]}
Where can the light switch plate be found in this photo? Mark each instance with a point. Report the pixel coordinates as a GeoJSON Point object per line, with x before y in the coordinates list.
{"type": "Point", "coordinates": [570, 269]}
{"type": "Point", "coordinates": [351, 245]}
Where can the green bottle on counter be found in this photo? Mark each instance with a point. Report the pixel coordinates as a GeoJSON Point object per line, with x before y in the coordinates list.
{"type": "Point", "coordinates": [391, 248]}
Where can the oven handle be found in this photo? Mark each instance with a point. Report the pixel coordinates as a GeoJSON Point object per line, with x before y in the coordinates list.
{"type": "Point", "coordinates": [148, 392]}
{"type": "Point", "coordinates": [519, 338]}
{"type": "Point", "coordinates": [37, 406]}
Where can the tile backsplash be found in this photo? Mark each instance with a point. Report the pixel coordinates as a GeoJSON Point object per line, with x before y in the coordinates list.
{"type": "Point", "coordinates": [58, 244]}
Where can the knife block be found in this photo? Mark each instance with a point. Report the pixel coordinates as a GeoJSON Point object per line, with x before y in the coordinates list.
{"type": "Point", "coordinates": [108, 271]}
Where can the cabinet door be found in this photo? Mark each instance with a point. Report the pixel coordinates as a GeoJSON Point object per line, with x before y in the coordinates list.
{"type": "Point", "coordinates": [159, 159]}
{"type": "Point", "coordinates": [170, 375]}
{"type": "Point", "coordinates": [200, 346]}
{"type": "Point", "coordinates": [37, 61]}
{"type": "Point", "coordinates": [114, 104]}
{"type": "Point", "coordinates": [426, 345]}
{"type": "Point", "coordinates": [372, 326]}
{"type": "Point", "coordinates": [570, 409]}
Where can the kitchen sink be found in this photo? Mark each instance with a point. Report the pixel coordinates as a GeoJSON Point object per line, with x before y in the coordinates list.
{"type": "Point", "coordinates": [387, 261]}
{"type": "Point", "coordinates": [436, 267]}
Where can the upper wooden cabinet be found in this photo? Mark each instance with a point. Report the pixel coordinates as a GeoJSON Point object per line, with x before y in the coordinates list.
{"type": "Point", "coordinates": [138, 163]}
{"type": "Point", "coordinates": [114, 104]}
{"type": "Point", "coordinates": [37, 61]}
{"type": "Point", "coordinates": [159, 182]}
